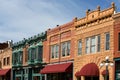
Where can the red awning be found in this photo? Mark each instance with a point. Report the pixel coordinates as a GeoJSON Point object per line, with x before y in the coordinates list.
{"type": "Point", "coordinates": [104, 72]}
{"type": "Point", "coordinates": [90, 69]}
{"type": "Point", "coordinates": [4, 71]}
{"type": "Point", "coordinates": [57, 68]}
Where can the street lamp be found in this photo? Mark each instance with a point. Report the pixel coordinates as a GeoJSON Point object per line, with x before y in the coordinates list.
{"type": "Point", "coordinates": [106, 63]}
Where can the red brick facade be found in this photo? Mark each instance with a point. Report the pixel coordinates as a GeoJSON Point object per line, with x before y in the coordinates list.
{"type": "Point", "coordinates": [57, 36]}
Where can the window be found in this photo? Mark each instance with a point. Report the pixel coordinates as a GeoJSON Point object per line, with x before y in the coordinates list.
{"type": "Point", "coordinates": [54, 51]}
{"type": "Point", "coordinates": [39, 52]}
{"type": "Point", "coordinates": [79, 47]}
{"type": "Point", "coordinates": [8, 60]}
{"type": "Point", "coordinates": [98, 43]}
{"type": "Point", "coordinates": [65, 48]}
{"type": "Point", "coordinates": [119, 41]}
{"type": "Point", "coordinates": [107, 41]}
{"type": "Point", "coordinates": [93, 44]}
{"type": "Point", "coordinates": [32, 52]}
{"type": "Point", "coordinates": [20, 56]}
{"type": "Point", "coordinates": [4, 61]}
{"type": "Point", "coordinates": [87, 45]}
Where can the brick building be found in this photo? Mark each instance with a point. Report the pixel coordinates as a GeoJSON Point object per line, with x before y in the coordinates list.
{"type": "Point", "coordinates": [27, 58]}
{"type": "Point", "coordinates": [5, 60]}
{"type": "Point", "coordinates": [58, 52]}
{"type": "Point", "coordinates": [116, 18]}
{"type": "Point", "coordinates": [94, 40]}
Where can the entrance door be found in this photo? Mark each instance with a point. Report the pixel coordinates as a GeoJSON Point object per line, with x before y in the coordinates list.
{"type": "Point", "coordinates": [91, 78]}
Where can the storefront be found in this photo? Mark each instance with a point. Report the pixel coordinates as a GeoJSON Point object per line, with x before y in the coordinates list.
{"type": "Point", "coordinates": [5, 74]}
{"type": "Point", "coordinates": [63, 71]}
{"type": "Point", "coordinates": [36, 75]}
{"type": "Point", "coordinates": [117, 69]}
{"type": "Point", "coordinates": [89, 72]}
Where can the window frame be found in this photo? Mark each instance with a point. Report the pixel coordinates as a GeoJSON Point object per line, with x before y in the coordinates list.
{"type": "Point", "coordinates": [79, 47]}
{"type": "Point", "coordinates": [107, 42]}
{"type": "Point", "coordinates": [65, 48]}
{"type": "Point", "coordinates": [54, 51]}
{"type": "Point", "coordinates": [92, 44]}
{"type": "Point", "coordinates": [8, 60]}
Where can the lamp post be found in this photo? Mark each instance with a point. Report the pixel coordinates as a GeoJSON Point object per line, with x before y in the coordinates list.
{"type": "Point", "coordinates": [106, 63]}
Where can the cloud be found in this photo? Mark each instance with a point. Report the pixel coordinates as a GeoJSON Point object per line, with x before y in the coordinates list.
{"type": "Point", "coordinates": [22, 18]}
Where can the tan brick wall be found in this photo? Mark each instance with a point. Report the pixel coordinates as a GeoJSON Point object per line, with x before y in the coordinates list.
{"type": "Point", "coordinates": [4, 54]}
{"type": "Point", "coordinates": [100, 27]}
{"type": "Point", "coordinates": [57, 36]}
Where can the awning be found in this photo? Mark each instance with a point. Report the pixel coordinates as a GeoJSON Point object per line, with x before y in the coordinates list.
{"type": "Point", "coordinates": [4, 72]}
{"type": "Point", "coordinates": [90, 69]}
{"type": "Point", "coordinates": [104, 72]}
{"type": "Point", "coordinates": [57, 68]}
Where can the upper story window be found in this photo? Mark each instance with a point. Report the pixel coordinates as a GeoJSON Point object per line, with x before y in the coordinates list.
{"type": "Point", "coordinates": [93, 44]}
{"type": "Point", "coordinates": [17, 57]}
{"type": "Point", "coordinates": [107, 41]}
{"type": "Point", "coordinates": [20, 57]}
{"type": "Point", "coordinates": [87, 45]}
{"type": "Point", "coordinates": [119, 42]}
{"type": "Point", "coordinates": [31, 53]}
{"type": "Point", "coordinates": [4, 61]}
{"type": "Point", "coordinates": [98, 43]}
{"type": "Point", "coordinates": [8, 60]}
{"type": "Point", "coordinates": [14, 58]}
{"type": "Point", "coordinates": [65, 48]}
{"type": "Point", "coordinates": [54, 51]}
{"type": "Point", "coordinates": [79, 47]}
{"type": "Point", "coordinates": [39, 51]}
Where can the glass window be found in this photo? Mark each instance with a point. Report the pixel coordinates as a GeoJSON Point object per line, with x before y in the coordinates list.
{"type": "Point", "coordinates": [119, 41]}
{"type": "Point", "coordinates": [39, 52]}
{"type": "Point", "coordinates": [65, 46]}
{"type": "Point", "coordinates": [68, 48]}
{"type": "Point", "coordinates": [98, 43]}
{"type": "Point", "coordinates": [20, 56]}
{"type": "Point", "coordinates": [54, 51]}
{"type": "Point", "coordinates": [87, 45]}
{"type": "Point", "coordinates": [4, 61]}
{"type": "Point", "coordinates": [8, 60]}
{"type": "Point", "coordinates": [79, 47]}
{"type": "Point", "coordinates": [93, 44]}
{"type": "Point", "coordinates": [32, 52]}
{"type": "Point", "coordinates": [107, 41]}
{"type": "Point", "coordinates": [63, 49]}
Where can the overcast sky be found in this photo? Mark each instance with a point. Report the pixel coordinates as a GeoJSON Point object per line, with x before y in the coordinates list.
{"type": "Point", "coordinates": [25, 18]}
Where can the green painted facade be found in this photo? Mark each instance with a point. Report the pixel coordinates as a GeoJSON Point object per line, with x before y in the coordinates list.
{"type": "Point", "coordinates": [34, 58]}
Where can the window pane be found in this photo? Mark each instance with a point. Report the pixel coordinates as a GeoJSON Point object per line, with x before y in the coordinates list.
{"type": "Point", "coordinates": [107, 44]}
{"type": "Point", "coordinates": [98, 43]}
{"type": "Point", "coordinates": [39, 53]}
{"type": "Point", "coordinates": [63, 49]}
{"type": "Point", "coordinates": [52, 51]}
{"type": "Point", "coordinates": [92, 44]}
{"type": "Point", "coordinates": [119, 41]}
{"type": "Point", "coordinates": [87, 45]}
{"type": "Point", "coordinates": [56, 51]}
{"type": "Point", "coordinates": [79, 47]}
{"type": "Point", "coordinates": [68, 48]}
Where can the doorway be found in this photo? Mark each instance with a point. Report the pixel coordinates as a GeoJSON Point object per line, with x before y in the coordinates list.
{"type": "Point", "coordinates": [91, 78]}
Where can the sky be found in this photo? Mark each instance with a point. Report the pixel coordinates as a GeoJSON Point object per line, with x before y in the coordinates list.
{"type": "Point", "coordinates": [25, 18]}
